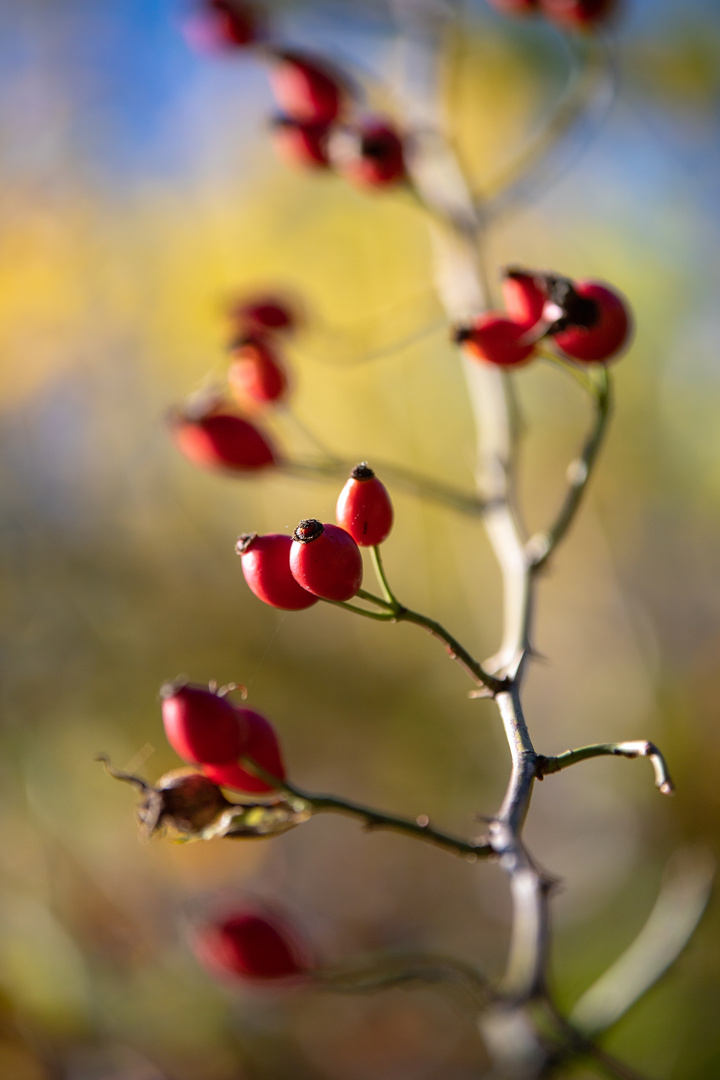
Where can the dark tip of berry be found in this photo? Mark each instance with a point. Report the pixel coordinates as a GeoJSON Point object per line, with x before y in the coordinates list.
{"type": "Point", "coordinates": [459, 334]}
{"type": "Point", "coordinates": [362, 471]}
{"type": "Point", "coordinates": [577, 310]}
{"type": "Point", "coordinates": [308, 530]}
{"type": "Point", "coordinates": [244, 542]}
{"type": "Point", "coordinates": [516, 272]}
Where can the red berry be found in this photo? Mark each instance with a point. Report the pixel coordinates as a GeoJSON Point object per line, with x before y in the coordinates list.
{"type": "Point", "coordinates": [262, 314]}
{"type": "Point", "coordinates": [256, 373]}
{"type": "Point", "coordinates": [577, 14]}
{"type": "Point", "coordinates": [515, 7]}
{"type": "Point", "coordinates": [201, 726]}
{"type": "Point", "coordinates": [223, 440]}
{"type": "Point", "coordinates": [325, 560]}
{"type": "Point", "coordinates": [605, 332]}
{"type": "Point", "coordinates": [222, 24]}
{"type": "Point", "coordinates": [301, 143]}
{"type": "Point", "coordinates": [307, 89]}
{"type": "Point", "coordinates": [497, 340]}
{"type": "Point", "coordinates": [251, 945]}
{"type": "Point", "coordinates": [524, 296]}
{"type": "Point", "coordinates": [261, 744]}
{"type": "Point", "coordinates": [266, 566]}
{"type": "Point", "coordinates": [364, 509]}
{"type": "Point", "coordinates": [375, 155]}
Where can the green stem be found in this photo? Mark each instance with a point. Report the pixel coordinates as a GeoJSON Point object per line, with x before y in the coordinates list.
{"type": "Point", "coordinates": [663, 781]}
{"type": "Point", "coordinates": [541, 546]}
{"type": "Point", "coordinates": [382, 578]}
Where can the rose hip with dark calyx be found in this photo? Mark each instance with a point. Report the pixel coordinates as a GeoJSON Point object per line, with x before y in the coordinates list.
{"type": "Point", "coordinates": [266, 567]}
{"type": "Point", "coordinates": [261, 744]}
{"type": "Point", "coordinates": [251, 945]}
{"type": "Point", "coordinates": [222, 440]}
{"type": "Point", "coordinates": [496, 340]}
{"type": "Point", "coordinates": [325, 560]}
{"type": "Point", "coordinates": [376, 158]}
{"type": "Point", "coordinates": [256, 373]}
{"type": "Point", "coordinates": [606, 326]}
{"type": "Point", "coordinates": [524, 296]}
{"type": "Point", "coordinates": [364, 508]}
{"type": "Point", "coordinates": [200, 725]}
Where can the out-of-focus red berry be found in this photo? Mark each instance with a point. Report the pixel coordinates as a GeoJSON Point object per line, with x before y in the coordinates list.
{"type": "Point", "coordinates": [222, 24]}
{"type": "Point", "coordinates": [373, 156]}
{"type": "Point", "coordinates": [256, 374]}
{"type": "Point", "coordinates": [497, 340]}
{"type": "Point", "coordinates": [222, 440]}
{"type": "Point", "coordinates": [307, 89]}
{"type": "Point", "coordinates": [262, 314]}
{"type": "Point", "coordinates": [524, 295]}
{"type": "Point", "coordinates": [300, 143]}
{"type": "Point", "coordinates": [200, 725]}
{"type": "Point", "coordinates": [363, 508]}
{"type": "Point", "coordinates": [261, 744]}
{"type": "Point", "coordinates": [605, 334]}
{"type": "Point", "coordinates": [325, 560]}
{"type": "Point", "coordinates": [266, 566]}
{"type": "Point", "coordinates": [251, 945]}
{"type": "Point", "coordinates": [577, 14]}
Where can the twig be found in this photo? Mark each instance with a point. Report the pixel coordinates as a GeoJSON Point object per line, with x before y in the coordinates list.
{"type": "Point", "coordinates": [547, 765]}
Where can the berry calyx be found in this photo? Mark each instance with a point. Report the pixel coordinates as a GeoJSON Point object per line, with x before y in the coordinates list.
{"type": "Point", "coordinates": [183, 799]}
{"type": "Point", "coordinates": [201, 726]}
{"type": "Point", "coordinates": [373, 156]}
{"type": "Point", "coordinates": [219, 439]}
{"type": "Point", "coordinates": [256, 374]}
{"type": "Point", "coordinates": [261, 744]}
{"type": "Point", "coordinates": [496, 340]}
{"type": "Point", "coordinates": [577, 14]}
{"type": "Point", "coordinates": [325, 560]}
{"type": "Point", "coordinates": [525, 295]}
{"type": "Point", "coordinates": [251, 945]}
{"type": "Point", "coordinates": [266, 567]}
{"type": "Point", "coordinates": [307, 89]}
{"type": "Point", "coordinates": [594, 323]}
{"type": "Point", "coordinates": [301, 143]}
{"type": "Point", "coordinates": [364, 508]}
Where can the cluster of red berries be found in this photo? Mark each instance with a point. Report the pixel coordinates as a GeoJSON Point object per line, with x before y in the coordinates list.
{"type": "Point", "coordinates": [584, 320]}
{"type": "Point", "coordinates": [570, 14]}
{"type": "Point", "coordinates": [320, 561]}
{"type": "Point", "coordinates": [206, 729]}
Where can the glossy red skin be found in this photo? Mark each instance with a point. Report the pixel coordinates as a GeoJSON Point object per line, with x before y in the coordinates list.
{"type": "Point", "coordinates": [384, 167]}
{"type": "Point", "coordinates": [608, 337]}
{"type": "Point", "coordinates": [524, 299]}
{"type": "Point", "coordinates": [365, 511]}
{"type": "Point", "coordinates": [306, 89]}
{"type": "Point", "coordinates": [266, 566]}
{"type": "Point", "coordinates": [496, 340]}
{"type": "Point", "coordinates": [577, 14]}
{"type": "Point", "coordinates": [261, 744]}
{"type": "Point", "coordinates": [256, 373]}
{"type": "Point", "coordinates": [252, 946]}
{"type": "Point", "coordinates": [302, 144]}
{"type": "Point", "coordinates": [515, 7]}
{"type": "Point", "coordinates": [330, 566]}
{"type": "Point", "coordinates": [202, 727]}
{"type": "Point", "coordinates": [260, 314]}
{"type": "Point", "coordinates": [223, 440]}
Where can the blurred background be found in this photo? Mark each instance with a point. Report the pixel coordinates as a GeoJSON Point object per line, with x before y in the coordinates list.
{"type": "Point", "coordinates": [139, 192]}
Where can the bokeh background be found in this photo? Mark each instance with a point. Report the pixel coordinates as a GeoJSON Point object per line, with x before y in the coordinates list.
{"type": "Point", "coordinates": [138, 191]}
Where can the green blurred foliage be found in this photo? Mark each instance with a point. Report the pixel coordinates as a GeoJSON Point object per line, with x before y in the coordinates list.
{"type": "Point", "coordinates": [120, 572]}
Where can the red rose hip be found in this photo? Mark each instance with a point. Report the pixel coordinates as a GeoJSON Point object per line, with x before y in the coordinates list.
{"type": "Point", "coordinates": [325, 560]}
{"type": "Point", "coordinates": [266, 567]}
{"type": "Point", "coordinates": [602, 328]}
{"type": "Point", "coordinates": [222, 440]}
{"type": "Point", "coordinates": [577, 14]}
{"type": "Point", "coordinates": [364, 509]}
{"type": "Point", "coordinates": [200, 725]}
{"type": "Point", "coordinates": [256, 373]}
{"type": "Point", "coordinates": [524, 296]}
{"type": "Point", "coordinates": [261, 744]}
{"type": "Point", "coordinates": [262, 314]}
{"type": "Point", "coordinates": [375, 155]}
{"type": "Point", "coordinates": [251, 945]}
{"type": "Point", "coordinates": [496, 340]}
{"type": "Point", "coordinates": [301, 143]}
{"type": "Point", "coordinates": [307, 89]}
{"type": "Point", "coordinates": [223, 24]}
